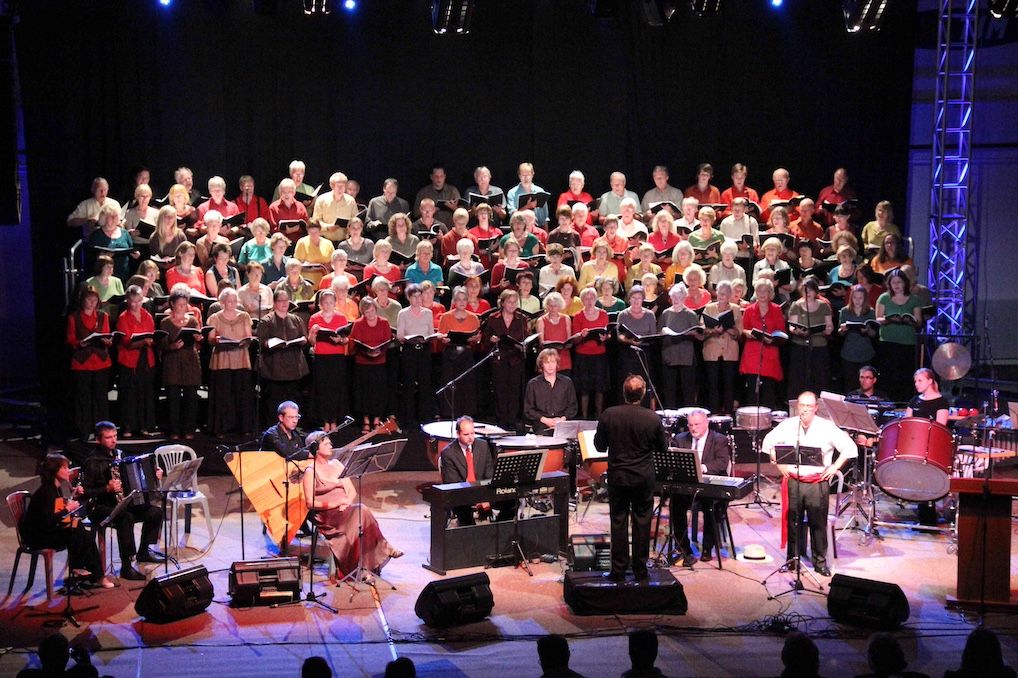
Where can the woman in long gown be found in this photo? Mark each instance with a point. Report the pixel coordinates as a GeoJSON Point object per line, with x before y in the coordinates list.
{"type": "Point", "coordinates": [336, 513]}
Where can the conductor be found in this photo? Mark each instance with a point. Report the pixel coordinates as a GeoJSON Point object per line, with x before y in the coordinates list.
{"type": "Point", "coordinates": [631, 434]}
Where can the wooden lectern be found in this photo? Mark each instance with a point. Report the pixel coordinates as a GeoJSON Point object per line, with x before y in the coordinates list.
{"type": "Point", "coordinates": [984, 567]}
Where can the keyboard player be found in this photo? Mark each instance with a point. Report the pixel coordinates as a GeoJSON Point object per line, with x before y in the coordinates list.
{"type": "Point", "coordinates": [715, 455]}
{"type": "Point", "coordinates": [467, 459]}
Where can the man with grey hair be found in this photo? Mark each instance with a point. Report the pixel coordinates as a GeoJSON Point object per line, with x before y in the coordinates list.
{"type": "Point", "coordinates": [482, 186]}
{"type": "Point", "coordinates": [86, 214]}
{"type": "Point", "coordinates": [662, 192]}
{"type": "Point", "coordinates": [611, 201]}
{"type": "Point", "coordinates": [297, 170]}
{"type": "Point", "coordinates": [382, 207]}
{"type": "Point", "coordinates": [332, 206]}
{"type": "Point", "coordinates": [715, 453]}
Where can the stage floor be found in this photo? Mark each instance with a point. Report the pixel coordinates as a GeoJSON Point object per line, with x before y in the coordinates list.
{"type": "Point", "coordinates": [731, 628]}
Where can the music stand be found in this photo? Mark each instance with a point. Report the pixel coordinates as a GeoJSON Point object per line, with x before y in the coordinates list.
{"type": "Point", "coordinates": [512, 469]}
{"type": "Point", "coordinates": [358, 462]}
{"type": "Point", "coordinates": [673, 465]}
{"type": "Point", "coordinates": [570, 431]}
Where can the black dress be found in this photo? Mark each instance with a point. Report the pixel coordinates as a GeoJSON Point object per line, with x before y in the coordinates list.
{"type": "Point", "coordinates": [46, 525]}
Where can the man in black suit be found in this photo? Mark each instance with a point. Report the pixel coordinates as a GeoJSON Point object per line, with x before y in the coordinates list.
{"type": "Point", "coordinates": [631, 434]}
{"type": "Point", "coordinates": [467, 459]}
{"type": "Point", "coordinates": [715, 455]}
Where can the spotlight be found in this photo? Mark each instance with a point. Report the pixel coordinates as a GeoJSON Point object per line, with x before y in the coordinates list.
{"type": "Point", "coordinates": [350, 5]}
{"type": "Point", "coordinates": [164, 3]}
{"type": "Point", "coordinates": [777, 3]}
{"type": "Point", "coordinates": [863, 15]}
{"type": "Point", "coordinates": [706, 7]}
{"type": "Point", "coordinates": [1000, 9]}
{"type": "Point", "coordinates": [452, 16]}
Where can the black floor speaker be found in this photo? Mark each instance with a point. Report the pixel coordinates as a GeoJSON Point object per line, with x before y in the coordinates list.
{"type": "Point", "coordinates": [590, 552]}
{"type": "Point", "coordinates": [175, 596]}
{"type": "Point", "coordinates": [862, 602]}
{"type": "Point", "coordinates": [264, 582]}
{"type": "Point", "coordinates": [455, 601]}
{"type": "Point", "coordinates": [589, 593]}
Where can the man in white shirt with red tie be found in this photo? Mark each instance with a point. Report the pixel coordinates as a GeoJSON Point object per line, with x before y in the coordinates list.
{"type": "Point", "coordinates": [468, 460]}
{"type": "Point", "coordinates": [809, 485]}
{"type": "Point", "coordinates": [715, 455]}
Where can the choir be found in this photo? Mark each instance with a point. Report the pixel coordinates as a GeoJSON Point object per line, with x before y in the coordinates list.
{"type": "Point", "coordinates": [369, 310]}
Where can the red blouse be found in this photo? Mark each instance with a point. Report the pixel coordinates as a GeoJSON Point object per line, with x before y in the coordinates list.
{"type": "Point", "coordinates": [372, 336]}
{"type": "Point", "coordinates": [581, 323]}
{"type": "Point", "coordinates": [126, 354]}
{"type": "Point", "coordinates": [326, 346]}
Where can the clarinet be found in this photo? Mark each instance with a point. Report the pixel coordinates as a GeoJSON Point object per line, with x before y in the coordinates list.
{"type": "Point", "coordinates": [115, 475]}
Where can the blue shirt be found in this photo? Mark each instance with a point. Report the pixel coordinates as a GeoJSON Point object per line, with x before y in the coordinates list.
{"type": "Point", "coordinates": [415, 275]}
{"type": "Point", "coordinates": [517, 190]}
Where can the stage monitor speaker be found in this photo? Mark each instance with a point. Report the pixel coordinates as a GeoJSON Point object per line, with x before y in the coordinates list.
{"type": "Point", "coordinates": [264, 582]}
{"type": "Point", "coordinates": [176, 595]}
{"type": "Point", "coordinates": [455, 601]}
{"type": "Point", "coordinates": [590, 552]}
{"type": "Point", "coordinates": [863, 602]}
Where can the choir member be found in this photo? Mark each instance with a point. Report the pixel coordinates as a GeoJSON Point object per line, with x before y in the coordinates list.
{"type": "Point", "coordinates": [857, 349]}
{"type": "Point", "coordinates": [86, 214]}
{"type": "Point", "coordinates": [252, 205]}
{"type": "Point", "coordinates": [896, 349]}
{"type": "Point", "coordinates": [380, 264]}
{"type": "Point", "coordinates": [529, 244]}
{"type": "Point", "coordinates": [450, 241]}
{"type": "Point", "coordinates": [581, 224]}
{"type": "Point", "coordinates": [646, 264]}
{"type": "Point", "coordinates": [213, 235]}
{"type": "Point", "coordinates": [257, 248]}
{"type": "Point", "coordinates": [662, 192]}
{"type": "Point", "coordinates": [761, 360]}
{"type": "Point", "coordinates": [526, 186]}
{"type": "Point", "coordinates": [275, 265]}
{"type": "Point", "coordinates": [629, 225]}
{"type": "Point", "coordinates": [90, 361]}
{"type": "Point", "coordinates": [329, 368]}
{"type": "Point", "coordinates": [475, 303]}
{"type": "Point", "coordinates": [180, 365]}
{"type": "Point", "coordinates": [772, 250]}
{"type": "Point", "coordinates": [281, 366]}
{"type": "Point", "coordinates": [231, 388]}
{"type": "Point", "coordinates": [423, 267]}
{"type": "Point", "coordinates": [485, 230]}
{"type": "Point", "coordinates": [333, 209]}
{"type": "Point", "coordinates": [296, 172]}
{"type": "Point", "coordinates": [458, 358]}
{"type": "Point", "coordinates": [167, 236]}
{"type": "Point", "coordinates": [697, 297]}
{"type": "Point", "coordinates": [465, 266]}
{"type": "Point", "coordinates": [806, 227]}
{"type": "Point", "coordinates": [576, 194]}
{"type": "Point", "coordinates": [835, 195]}
{"type": "Point", "coordinates": [496, 202]}
{"type": "Point", "coordinates": [136, 360]}
{"type": "Point", "coordinates": [504, 333]}
{"type": "Point", "coordinates": [607, 288]}
{"type": "Point", "coordinates": [217, 202]}
{"type": "Point", "coordinates": [726, 269]}
{"type": "Point", "coordinates": [184, 269]}
{"type": "Point", "coordinates": [180, 199]}
{"type": "Point", "coordinates": [554, 269]}
{"type": "Point", "coordinates": [221, 268]}
{"type": "Point", "coordinates": [655, 295]}
{"type": "Point", "coordinates": [874, 232]}
{"type": "Point", "coordinates": [564, 234]}
{"type": "Point", "coordinates": [663, 237]}
{"type": "Point", "coordinates": [568, 288]}
{"type": "Point", "coordinates": [529, 302]}
{"type": "Point", "coordinates": [255, 298]}
{"type": "Point", "coordinates": [591, 374]}
{"type": "Point", "coordinates": [682, 258]}
{"type": "Point", "coordinates": [706, 236]}
{"type": "Point", "coordinates": [678, 354]}
{"type": "Point", "coordinates": [140, 210]}
{"type": "Point", "coordinates": [891, 255]}
{"type": "Point", "coordinates": [704, 192]}
{"type": "Point", "coordinates": [294, 284]}
{"type": "Point", "coordinates": [288, 209]}
{"type": "Point", "coordinates": [601, 264]}
{"type": "Point", "coordinates": [445, 195]}
{"type": "Point", "coordinates": [413, 324]}
{"type": "Point", "coordinates": [104, 282]}
{"type": "Point", "coordinates": [738, 189]}
{"type": "Point", "coordinates": [359, 250]}
{"type": "Point", "coordinates": [721, 351]}
{"type": "Point", "coordinates": [315, 252]}
{"type": "Point", "coordinates": [610, 203]}
{"type": "Point", "coordinates": [780, 192]}
{"type": "Point", "coordinates": [371, 334]}
{"type": "Point", "coordinates": [382, 207]}
{"type": "Point", "coordinates": [337, 262]}
{"type": "Point", "coordinates": [641, 322]}
{"type": "Point", "coordinates": [509, 260]}
{"type": "Point", "coordinates": [400, 238]}
{"type": "Point", "coordinates": [809, 363]}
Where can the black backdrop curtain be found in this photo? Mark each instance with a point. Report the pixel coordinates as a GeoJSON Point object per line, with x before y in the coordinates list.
{"type": "Point", "coordinates": [109, 84]}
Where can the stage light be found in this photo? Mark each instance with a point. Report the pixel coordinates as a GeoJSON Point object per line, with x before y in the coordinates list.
{"type": "Point", "coordinates": [777, 3]}
{"type": "Point", "coordinates": [863, 15]}
{"type": "Point", "coordinates": [706, 7]}
{"type": "Point", "coordinates": [164, 3]}
{"type": "Point", "coordinates": [1000, 9]}
{"type": "Point", "coordinates": [350, 5]}
{"type": "Point", "coordinates": [452, 16]}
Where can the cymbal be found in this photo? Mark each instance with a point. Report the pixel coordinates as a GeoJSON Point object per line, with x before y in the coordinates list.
{"type": "Point", "coordinates": [952, 361]}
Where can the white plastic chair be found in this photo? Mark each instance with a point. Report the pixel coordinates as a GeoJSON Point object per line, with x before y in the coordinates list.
{"type": "Point", "coordinates": [169, 456]}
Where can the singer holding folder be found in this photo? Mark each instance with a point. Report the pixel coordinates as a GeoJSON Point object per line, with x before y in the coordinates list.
{"type": "Point", "coordinates": [806, 486]}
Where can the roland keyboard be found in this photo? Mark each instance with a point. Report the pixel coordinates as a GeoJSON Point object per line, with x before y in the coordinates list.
{"type": "Point", "coordinates": [725, 488]}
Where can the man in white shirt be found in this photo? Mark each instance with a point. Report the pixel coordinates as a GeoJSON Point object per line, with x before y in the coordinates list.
{"type": "Point", "coordinates": [738, 224]}
{"type": "Point", "coordinates": [611, 202]}
{"type": "Point", "coordinates": [809, 485]}
{"type": "Point", "coordinates": [332, 206]}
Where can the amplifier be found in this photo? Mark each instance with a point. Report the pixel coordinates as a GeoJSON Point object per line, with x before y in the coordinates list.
{"type": "Point", "coordinates": [264, 582]}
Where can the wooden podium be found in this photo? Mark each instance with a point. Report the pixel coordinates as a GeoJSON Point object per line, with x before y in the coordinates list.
{"type": "Point", "coordinates": [984, 566]}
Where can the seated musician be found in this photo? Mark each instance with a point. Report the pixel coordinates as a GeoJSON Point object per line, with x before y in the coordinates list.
{"type": "Point", "coordinates": [550, 397]}
{"type": "Point", "coordinates": [867, 387]}
{"type": "Point", "coordinates": [715, 455]}
{"type": "Point", "coordinates": [927, 404]}
{"type": "Point", "coordinates": [283, 438]}
{"type": "Point", "coordinates": [50, 522]}
{"type": "Point", "coordinates": [468, 460]}
{"type": "Point", "coordinates": [102, 490]}
{"type": "Point", "coordinates": [333, 500]}
{"type": "Point", "coordinates": [809, 486]}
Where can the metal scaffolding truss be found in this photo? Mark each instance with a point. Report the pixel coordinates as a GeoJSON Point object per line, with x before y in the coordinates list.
{"type": "Point", "coordinates": [953, 240]}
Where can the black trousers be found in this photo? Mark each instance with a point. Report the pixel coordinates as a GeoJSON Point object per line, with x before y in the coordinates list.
{"type": "Point", "coordinates": [768, 391]}
{"type": "Point", "coordinates": [149, 515]}
{"type": "Point", "coordinates": [418, 393]}
{"type": "Point", "coordinates": [721, 385]}
{"type": "Point", "coordinates": [82, 552]}
{"type": "Point", "coordinates": [136, 396]}
{"type": "Point", "coordinates": [710, 509]}
{"type": "Point", "coordinates": [813, 499]}
{"type": "Point", "coordinates": [679, 387]}
{"type": "Point", "coordinates": [91, 399]}
{"type": "Point", "coordinates": [635, 502]}
{"type": "Point", "coordinates": [678, 514]}
{"type": "Point", "coordinates": [183, 409]}
{"type": "Point", "coordinates": [507, 380]}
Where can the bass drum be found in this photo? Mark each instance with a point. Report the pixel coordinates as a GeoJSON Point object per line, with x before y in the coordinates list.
{"type": "Point", "coordinates": [914, 459]}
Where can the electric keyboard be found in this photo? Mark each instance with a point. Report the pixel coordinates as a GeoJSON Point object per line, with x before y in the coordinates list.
{"type": "Point", "coordinates": [724, 488]}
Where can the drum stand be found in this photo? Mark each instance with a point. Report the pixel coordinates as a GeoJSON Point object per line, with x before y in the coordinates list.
{"type": "Point", "coordinates": [862, 503]}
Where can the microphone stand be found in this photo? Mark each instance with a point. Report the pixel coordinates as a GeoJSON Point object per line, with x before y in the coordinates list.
{"type": "Point", "coordinates": [451, 386]}
{"type": "Point", "coordinates": [240, 485]}
{"type": "Point", "coordinates": [651, 389]}
{"type": "Point", "coordinates": [758, 499]}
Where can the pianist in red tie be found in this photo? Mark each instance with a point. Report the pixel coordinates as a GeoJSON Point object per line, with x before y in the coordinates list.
{"type": "Point", "coordinates": [715, 455]}
{"type": "Point", "coordinates": [469, 460]}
